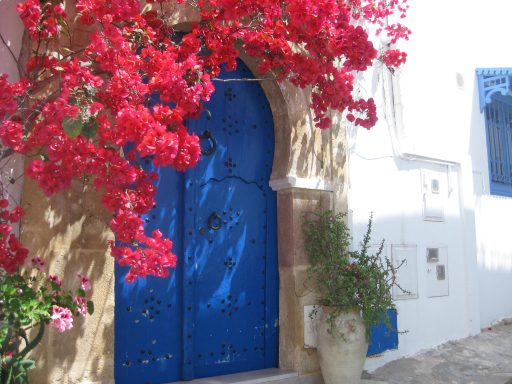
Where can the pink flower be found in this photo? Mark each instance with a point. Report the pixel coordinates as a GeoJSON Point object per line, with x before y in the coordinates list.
{"type": "Point", "coordinates": [55, 279]}
{"type": "Point", "coordinates": [62, 318]}
{"type": "Point", "coordinates": [38, 263]}
{"type": "Point", "coordinates": [85, 282]}
{"type": "Point", "coordinates": [81, 302]}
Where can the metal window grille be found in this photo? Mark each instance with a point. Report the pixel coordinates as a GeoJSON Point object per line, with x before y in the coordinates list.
{"type": "Point", "coordinates": [498, 121]}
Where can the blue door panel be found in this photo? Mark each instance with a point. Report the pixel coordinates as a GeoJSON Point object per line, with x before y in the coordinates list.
{"type": "Point", "coordinates": [233, 264]}
{"type": "Point", "coordinates": [230, 274]}
{"type": "Point", "coordinates": [383, 338]}
{"type": "Point", "coordinates": [148, 311]}
{"type": "Point", "coordinates": [220, 305]}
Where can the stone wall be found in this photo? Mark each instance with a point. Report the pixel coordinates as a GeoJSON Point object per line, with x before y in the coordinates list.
{"type": "Point", "coordinates": [69, 231]}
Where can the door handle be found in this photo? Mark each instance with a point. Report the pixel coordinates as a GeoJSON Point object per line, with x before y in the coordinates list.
{"type": "Point", "coordinates": [215, 221]}
{"type": "Point", "coordinates": [207, 135]}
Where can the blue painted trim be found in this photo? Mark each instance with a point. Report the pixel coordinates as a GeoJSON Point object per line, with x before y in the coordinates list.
{"type": "Point", "coordinates": [492, 81]}
{"type": "Point", "coordinates": [383, 338]}
{"type": "Point", "coordinates": [499, 161]}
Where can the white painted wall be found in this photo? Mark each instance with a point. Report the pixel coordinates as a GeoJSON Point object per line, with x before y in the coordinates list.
{"type": "Point", "coordinates": [11, 30]}
{"type": "Point", "coordinates": [438, 117]}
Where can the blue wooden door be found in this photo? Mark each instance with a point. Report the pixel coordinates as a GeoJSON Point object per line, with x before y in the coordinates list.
{"type": "Point", "coordinates": [218, 312]}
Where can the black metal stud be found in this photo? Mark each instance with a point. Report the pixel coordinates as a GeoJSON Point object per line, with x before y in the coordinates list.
{"type": "Point", "coordinates": [229, 263]}
{"type": "Point", "coordinates": [230, 164]}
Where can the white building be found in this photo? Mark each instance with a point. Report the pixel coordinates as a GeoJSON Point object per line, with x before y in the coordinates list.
{"type": "Point", "coordinates": [424, 173]}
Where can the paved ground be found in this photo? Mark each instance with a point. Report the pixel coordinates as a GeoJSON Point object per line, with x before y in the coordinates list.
{"type": "Point", "coordinates": [482, 359]}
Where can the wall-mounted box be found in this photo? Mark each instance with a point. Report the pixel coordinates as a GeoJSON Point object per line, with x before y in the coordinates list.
{"type": "Point", "coordinates": [404, 257]}
{"type": "Point", "coordinates": [437, 272]}
{"type": "Point", "coordinates": [434, 195]}
{"type": "Point", "coordinates": [432, 255]}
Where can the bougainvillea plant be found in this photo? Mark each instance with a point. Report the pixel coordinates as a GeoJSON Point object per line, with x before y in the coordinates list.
{"type": "Point", "coordinates": [77, 107]}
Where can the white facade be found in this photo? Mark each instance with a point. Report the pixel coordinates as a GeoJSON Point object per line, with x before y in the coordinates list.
{"type": "Point", "coordinates": [423, 172]}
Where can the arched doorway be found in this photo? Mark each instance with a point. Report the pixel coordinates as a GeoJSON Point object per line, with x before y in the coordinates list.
{"type": "Point", "coordinates": [218, 312]}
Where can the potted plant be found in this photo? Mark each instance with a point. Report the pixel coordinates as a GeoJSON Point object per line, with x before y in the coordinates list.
{"type": "Point", "coordinates": [30, 300]}
{"type": "Point", "coordinates": [354, 293]}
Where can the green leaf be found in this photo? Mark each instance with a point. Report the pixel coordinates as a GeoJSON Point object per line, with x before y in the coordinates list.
{"type": "Point", "coordinates": [73, 127]}
{"type": "Point", "coordinates": [90, 307]}
{"type": "Point", "coordinates": [90, 128]}
{"type": "Point", "coordinates": [90, 89]}
{"type": "Point", "coordinates": [55, 286]}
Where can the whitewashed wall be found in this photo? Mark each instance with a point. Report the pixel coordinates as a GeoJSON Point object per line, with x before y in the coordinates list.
{"type": "Point", "coordinates": [436, 126]}
{"type": "Point", "coordinates": [11, 30]}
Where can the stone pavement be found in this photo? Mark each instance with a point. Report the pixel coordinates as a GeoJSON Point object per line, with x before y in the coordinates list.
{"type": "Point", "coordinates": [482, 359]}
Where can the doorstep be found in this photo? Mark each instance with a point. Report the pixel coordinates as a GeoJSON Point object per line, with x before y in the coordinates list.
{"type": "Point", "coordinates": [270, 375]}
{"type": "Point", "coordinates": [260, 376]}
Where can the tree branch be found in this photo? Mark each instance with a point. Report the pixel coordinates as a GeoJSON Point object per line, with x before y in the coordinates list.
{"type": "Point", "coordinates": [10, 51]}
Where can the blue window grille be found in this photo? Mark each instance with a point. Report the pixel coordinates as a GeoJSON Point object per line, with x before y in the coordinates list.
{"type": "Point", "coordinates": [494, 86]}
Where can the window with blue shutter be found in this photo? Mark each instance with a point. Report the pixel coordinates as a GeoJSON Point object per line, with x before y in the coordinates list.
{"type": "Point", "coordinates": [496, 103]}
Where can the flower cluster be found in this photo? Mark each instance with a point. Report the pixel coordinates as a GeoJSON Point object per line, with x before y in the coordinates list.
{"type": "Point", "coordinates": [33, 299]}
{"type": "Point", "coordinates": [12, 252]}
{"type": "Point", "coordinates": [126, 94]}
{"type": "Point", "coordinates": [42, 19]}
{"type": "Point", "coordinates": [394, 58]}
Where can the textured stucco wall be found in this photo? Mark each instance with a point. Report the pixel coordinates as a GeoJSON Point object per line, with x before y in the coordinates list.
{"type": "Point", "coordinates": [69, 232]}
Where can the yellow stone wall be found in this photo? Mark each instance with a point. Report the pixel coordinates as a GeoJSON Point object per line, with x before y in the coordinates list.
{"type": "Point", "coordinates": [69, 232]}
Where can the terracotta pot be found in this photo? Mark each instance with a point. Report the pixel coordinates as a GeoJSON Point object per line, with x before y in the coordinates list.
{"type": "Point", "coordinates": [342, 352]}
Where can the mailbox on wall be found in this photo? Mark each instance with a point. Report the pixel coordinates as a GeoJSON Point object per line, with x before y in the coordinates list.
{"type": "Point", "coordinates": [434, 195]}
{"type": "Point", "coordinates": [404, 257]}
{"type": "Point", "coordinates": [437, 272]}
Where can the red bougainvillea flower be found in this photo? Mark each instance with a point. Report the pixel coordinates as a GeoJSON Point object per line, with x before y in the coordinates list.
{"type": "Point", "coordinates": [90, 112]}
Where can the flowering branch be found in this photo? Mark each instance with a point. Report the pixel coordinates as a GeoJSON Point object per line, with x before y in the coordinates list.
{"type": "Point", "coordinates": [80, 108]}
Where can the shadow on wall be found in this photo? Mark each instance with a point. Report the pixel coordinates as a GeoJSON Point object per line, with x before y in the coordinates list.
{"type": "Point", "coordinates": [69, 232]}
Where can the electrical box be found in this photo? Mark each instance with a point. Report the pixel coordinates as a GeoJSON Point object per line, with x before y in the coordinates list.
{"type": "Point", "coordinates": [404, 257]}
{"type": "Point", "coordinates": [432, 255]}
{"type": "Point", "coordinates": [434, 195]}
{"type": "Point", "coordinates": [437, 272]}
